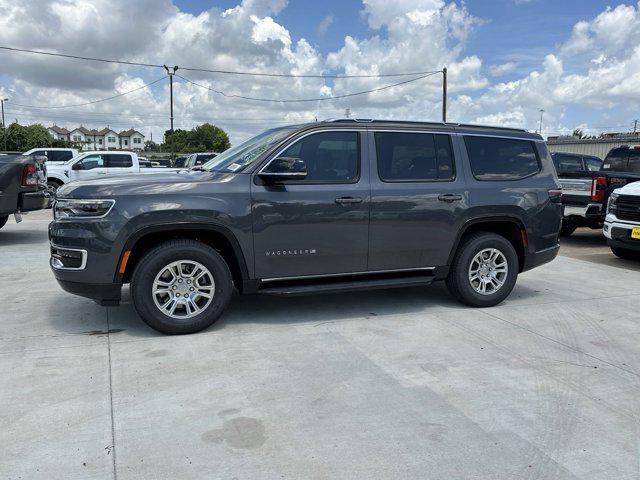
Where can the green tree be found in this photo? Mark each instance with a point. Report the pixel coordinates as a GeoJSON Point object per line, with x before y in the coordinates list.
{"type": "Point", "coordinates": [21, 138]}
{"type": "Point", "coordinates": [205, 137]}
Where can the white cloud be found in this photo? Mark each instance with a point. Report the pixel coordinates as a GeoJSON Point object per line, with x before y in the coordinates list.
{"type": "Point", "coordinates": [502, 69]}
{"type": "Point", "coordinates": [324, 25]}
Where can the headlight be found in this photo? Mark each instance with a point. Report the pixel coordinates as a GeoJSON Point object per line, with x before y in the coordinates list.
{"type": "Point", "coordinates": [612, 203]}
{"type": "Point", "coordinates": [72, 208]}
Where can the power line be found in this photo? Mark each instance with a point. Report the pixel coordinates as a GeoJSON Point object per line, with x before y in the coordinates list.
{"type": "Point", "coordinates": [94, 101]}
{"type": "Point", "coordinates": [217, 71]}
{"type": "Point", "coordinates": [319, 99]}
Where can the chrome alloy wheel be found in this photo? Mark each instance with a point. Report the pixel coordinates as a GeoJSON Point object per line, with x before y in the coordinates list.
{"type": "Point", "coordinates": [488, 271]}
{"type": "Point", "coordinates": [183, 289]}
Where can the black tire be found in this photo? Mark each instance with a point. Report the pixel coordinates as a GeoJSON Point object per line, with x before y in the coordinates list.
{"type": "Point", "coordinates": [458, 281]}
{"type": "Point", "coordinates": [3, 221]}
{"type": "Point", "coordinates": [567, 229]}
{"type": "Point", "coordinates": [625, 254]}
{"type": "Point", "coordinates": [54, 184]}
{"type": "Point", "coordinates": [156, 260]}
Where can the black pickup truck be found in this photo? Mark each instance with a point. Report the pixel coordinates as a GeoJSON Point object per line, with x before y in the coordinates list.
{"type": "Point", "coordinates": [585, 193]}
{"type": "Point", "coordinates": [23, 185]}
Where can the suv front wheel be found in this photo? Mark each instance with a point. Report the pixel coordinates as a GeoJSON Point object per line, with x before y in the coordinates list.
{"type": "Point", "coordinates": [181, 286]}
{"type": "Point", "coordinates": [484, 270]}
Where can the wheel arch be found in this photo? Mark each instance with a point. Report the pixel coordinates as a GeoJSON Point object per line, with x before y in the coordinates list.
{"type": "Point", "coordinates": [511, 228]}
{"type": "Point", "coordinates": [216, 236]}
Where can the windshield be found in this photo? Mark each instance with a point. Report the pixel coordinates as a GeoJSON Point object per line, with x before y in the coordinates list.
{"type": "Point", "coordinates": [241, 156]}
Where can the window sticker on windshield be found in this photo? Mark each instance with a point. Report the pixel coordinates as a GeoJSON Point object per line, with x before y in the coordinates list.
{"type": "Point", "coordinates": [606, 167]}
{"type": "Point", "coordinates": [234, 166]}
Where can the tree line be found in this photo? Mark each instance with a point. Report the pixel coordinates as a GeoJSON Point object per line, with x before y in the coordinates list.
{"type": "Point", "coordinates": [203, 138]}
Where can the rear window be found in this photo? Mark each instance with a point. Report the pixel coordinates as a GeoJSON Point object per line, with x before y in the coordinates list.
{"type": "Point", "coordinates": [496, 159]}
{"type": "Point", "coordinates": [616, 160]}
{"type": "Point", "coordinates": [567, 163]}
{"type": "Point", "coordinates": [414, 157]}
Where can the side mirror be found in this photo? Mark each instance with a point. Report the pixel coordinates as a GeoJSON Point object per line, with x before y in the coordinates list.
{"type": "Point", "coordinates": [284, 168]}
{"type": "Point", "coordinates": [77, 166]}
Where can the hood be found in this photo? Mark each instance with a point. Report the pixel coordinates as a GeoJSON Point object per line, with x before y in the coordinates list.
{"type": "Point", "coordinates": [630, 189]}
{"type": "Point", "coordinates": [141, 184]}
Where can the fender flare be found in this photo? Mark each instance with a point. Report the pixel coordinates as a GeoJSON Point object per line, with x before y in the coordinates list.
{"type": "Point", "coordinates": [478, 220]}
{"type": "Point", "coordinates": [161, 227]}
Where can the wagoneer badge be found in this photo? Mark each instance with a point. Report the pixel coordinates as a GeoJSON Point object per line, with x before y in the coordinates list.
{"type": "Point", "coordinates": [290, 253]}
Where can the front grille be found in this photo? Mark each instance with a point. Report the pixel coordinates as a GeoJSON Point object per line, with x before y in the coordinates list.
{"type": "Point", "coordinates": [68, 258]}
{"type": "Point", "coordinates": [628, 208]}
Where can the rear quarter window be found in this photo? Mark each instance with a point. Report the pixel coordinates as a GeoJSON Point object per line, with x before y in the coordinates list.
{"type": "Point", "coordinates": [616, 160]}
{"type": "Point", "coordinates": [495, 159]}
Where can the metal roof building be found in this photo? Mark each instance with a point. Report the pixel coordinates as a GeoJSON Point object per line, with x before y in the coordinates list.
{"type": "Point", "coordinates": [598, 147]}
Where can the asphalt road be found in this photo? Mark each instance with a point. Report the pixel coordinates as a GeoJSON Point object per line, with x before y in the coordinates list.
{"type": "Point", "coordinates": [377, 385]}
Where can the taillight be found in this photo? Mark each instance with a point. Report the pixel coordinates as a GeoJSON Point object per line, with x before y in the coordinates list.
{"type": "Point", "coordinates": [29, 175]}
{"type": "Point", "coordinates": [598, 188]}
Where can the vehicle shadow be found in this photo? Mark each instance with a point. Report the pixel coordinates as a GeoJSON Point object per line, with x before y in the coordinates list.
{"type": "Point", "coordinates": [26, 237]}
{"type": "Point", "coordinates": [323, 308]}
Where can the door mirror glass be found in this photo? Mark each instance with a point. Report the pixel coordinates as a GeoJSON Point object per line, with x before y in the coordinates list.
{"type": "Point", "coordinates": [77, 166]}
{"type": "Point", "coordinates": [284, 168]}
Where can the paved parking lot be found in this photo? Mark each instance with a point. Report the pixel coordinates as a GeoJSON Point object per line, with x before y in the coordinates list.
{"type": "Point", "coordinates": [385, 384]}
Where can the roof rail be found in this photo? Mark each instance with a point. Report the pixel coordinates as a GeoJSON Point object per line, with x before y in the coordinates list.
{"type": "Point", "coordinates": [415, 122]}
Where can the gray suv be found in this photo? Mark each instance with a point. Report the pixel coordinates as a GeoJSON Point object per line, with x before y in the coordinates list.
{"type": "Point", "coordinates": [322, 207]}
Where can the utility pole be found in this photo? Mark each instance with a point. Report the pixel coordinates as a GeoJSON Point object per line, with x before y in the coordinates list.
{"type": "Point", "coordinates": [541, 114]}
{"type": "Point", "coordinates": [347, 112]}
{"type": "Point", "coordinates": [444, 95]}
{"type": "Point", "coordinates": [4, 125]}
{"type": "Point", "coordinates": [635, 126]}
{"type": "Point", "coordinates": [171, 74]}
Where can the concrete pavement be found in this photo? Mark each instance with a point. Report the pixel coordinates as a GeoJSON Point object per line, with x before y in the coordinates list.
{"type": "Point", "coordinates": [385, 384]}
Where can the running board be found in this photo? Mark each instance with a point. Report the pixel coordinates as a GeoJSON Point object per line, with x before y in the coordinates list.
{"type": "Point", "coordinates": [342, 286]}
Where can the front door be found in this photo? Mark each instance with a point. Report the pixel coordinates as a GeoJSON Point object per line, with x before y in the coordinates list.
{"type": "Point", "coordinates": [318, 225]}
{"type": "Point", "coordinates": [417, 200]}
{"type": "Point", "coordinates": [91, 166]}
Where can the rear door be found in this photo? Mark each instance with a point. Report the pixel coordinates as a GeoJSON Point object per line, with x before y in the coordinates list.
{"type": "Point", "coordinates": [417, 199]}
{"type": "Point", "coordinates": [319, 225]}
{"type": "Point", "coordinates": [119, 163]}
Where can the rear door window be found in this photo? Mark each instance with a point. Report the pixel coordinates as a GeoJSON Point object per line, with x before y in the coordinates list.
{"type": "Point", "coordinates": [494, 158]}
{"type": "Point", "coordinates": [119, 161]}
{"type": "Point", "coordinates": [567, 163]}
{"type": "Point", "coordinates": [593, 164]}
{"type": "Point", "coordinates": [60, 156]}
{"type": "Point", "coordinates": [633, 166]}
{"type": "Point", "coordinates": [414, 157]}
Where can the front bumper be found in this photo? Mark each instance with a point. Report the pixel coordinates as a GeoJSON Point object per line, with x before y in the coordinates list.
{"type": "Point", "coordinates": [107, 295]}
{"type": "Point", "coordinates": [618, 233]}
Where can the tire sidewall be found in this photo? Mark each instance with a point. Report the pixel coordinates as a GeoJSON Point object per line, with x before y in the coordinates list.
{"type": "Point", "coordinates": [153, 263]}
{"type": "Point", "coordinates": [468, 252]}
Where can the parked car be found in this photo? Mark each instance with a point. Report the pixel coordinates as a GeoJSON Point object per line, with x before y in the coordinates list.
{"type": "Point", "coordinates": [323, 207]}
{"type": "Point", "coordinates": [622, 223]}
{"type": "Point", "coordinates": [573, 163]}
{"type": "Point", "coordinates": [23, 185]}
{"type": "Point", "coordinates": [194, 160]}
{"type": "Point", "coordinates": [54, 155]}
{"type": "Point", "coordinates": [97, 164]}
{"type": "Point", "coordinates": [585, 193]}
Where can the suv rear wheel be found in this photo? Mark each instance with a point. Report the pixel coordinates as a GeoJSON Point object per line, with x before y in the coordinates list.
{"type": "Point", "coordinates": [181, 286]}
{"type": "Point", "coordinates": [567, 229]}
{"type": "Point", "coordinates": [484, 270]}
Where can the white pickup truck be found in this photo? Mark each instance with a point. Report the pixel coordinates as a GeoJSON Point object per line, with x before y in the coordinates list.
{"type": "Point", "coordinates": [54, 155]}
{"type": "Point", "coordinates": [97, 165]}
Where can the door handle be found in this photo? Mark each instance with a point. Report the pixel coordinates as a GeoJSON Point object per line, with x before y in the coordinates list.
{"type": "Point", "coordinates": [449, 197]}
{"type": "Point", "coordinates": [348, 200]}
{"type": "Point", "coordinates": [102, 173]}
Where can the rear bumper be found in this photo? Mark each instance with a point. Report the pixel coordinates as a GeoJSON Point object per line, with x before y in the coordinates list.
{"type": "Point", "coordinates": [107, 295]}
{"type": "Point", "coordinates": [591, 210]}
{"type": "Point", "coordinates": [31, 201]}
{"type": "Point", "coordinates": [533, 260]}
